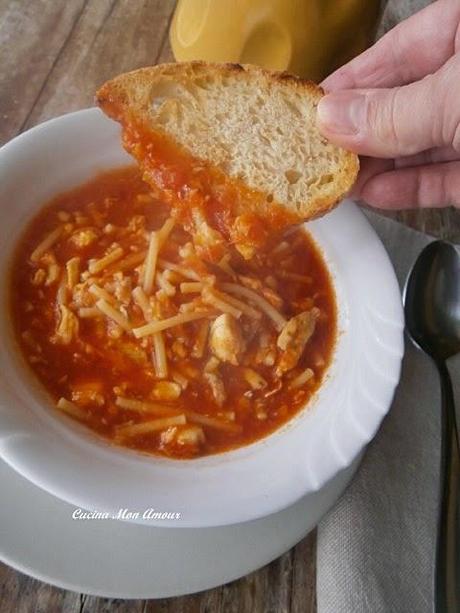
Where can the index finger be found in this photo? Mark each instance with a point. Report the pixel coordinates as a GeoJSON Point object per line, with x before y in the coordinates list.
{"type": "Point", "coordinates": [414, 48]}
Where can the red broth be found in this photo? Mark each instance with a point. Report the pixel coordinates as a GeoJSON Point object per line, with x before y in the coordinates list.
{"type": "Point", "coordinates": [223, 371]}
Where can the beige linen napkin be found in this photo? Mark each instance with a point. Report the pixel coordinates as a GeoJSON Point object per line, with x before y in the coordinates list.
{"type": "Point", "coordinates": [376, 547]}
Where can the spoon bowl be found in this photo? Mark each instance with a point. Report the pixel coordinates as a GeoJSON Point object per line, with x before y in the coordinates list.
{"type": "Point", "coordinates": [432, 301]}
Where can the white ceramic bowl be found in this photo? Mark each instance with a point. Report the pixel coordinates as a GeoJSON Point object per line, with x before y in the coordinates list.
{"type": "Point", "coordinates": [73, 464]}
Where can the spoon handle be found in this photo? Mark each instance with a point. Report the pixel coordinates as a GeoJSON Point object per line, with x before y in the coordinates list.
{"type": "Point", "coordinates": [446, 573]}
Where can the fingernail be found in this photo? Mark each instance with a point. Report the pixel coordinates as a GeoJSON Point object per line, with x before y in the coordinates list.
{"type": "Point", "coordinates": [342, 112]}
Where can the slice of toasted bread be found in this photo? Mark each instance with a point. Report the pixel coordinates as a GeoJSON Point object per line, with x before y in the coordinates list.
{"type": "Point", "coordinates": [255, 126]}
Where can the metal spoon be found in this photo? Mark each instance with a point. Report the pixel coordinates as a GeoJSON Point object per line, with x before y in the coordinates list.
{"type": "Point", "coordinates": [432, 307]}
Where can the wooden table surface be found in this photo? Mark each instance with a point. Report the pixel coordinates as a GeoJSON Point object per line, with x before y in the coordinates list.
{"type": "Point", "coordinates": [54, 55]}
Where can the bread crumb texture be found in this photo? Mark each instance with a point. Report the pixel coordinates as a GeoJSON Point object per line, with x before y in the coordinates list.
{"type": "Point", "coordinates": [255, 125]}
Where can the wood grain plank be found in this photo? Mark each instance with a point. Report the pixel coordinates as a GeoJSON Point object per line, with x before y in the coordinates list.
{"type": "Point", "coordinates": [32, 34]}
{"type": "Point", "coordinates": [208, 601]}
{"type": "Point", "coordinates": [22, 594]}
{"type": "Point", "coordinates": [92, 604]}
{"type": "Point", "coordinates": [266, 590]}
{"type": "Point", "coordinates": [111, 36]}
{"type": "Point", "coordinates": [303, 585]}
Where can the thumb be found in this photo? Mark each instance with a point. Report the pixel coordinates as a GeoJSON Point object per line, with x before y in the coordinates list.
{"type": "Point", "coordinates": [385, 123]}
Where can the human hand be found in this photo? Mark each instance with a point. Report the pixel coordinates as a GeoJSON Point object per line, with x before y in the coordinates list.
{"type": "Point", "coordinates": [399, 104]}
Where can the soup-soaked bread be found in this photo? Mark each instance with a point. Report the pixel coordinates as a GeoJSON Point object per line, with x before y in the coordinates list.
{"type": "Point", "coordinates": [243, 140]}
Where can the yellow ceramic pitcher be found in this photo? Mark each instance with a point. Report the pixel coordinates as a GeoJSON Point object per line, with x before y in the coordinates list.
{"type": "Point", "coordinates": [307, 37]}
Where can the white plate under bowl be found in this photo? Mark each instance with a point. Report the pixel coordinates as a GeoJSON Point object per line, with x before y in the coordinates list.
{"type": "Point", "coordinates": [241, 485]}
{"type": "Point", "coordinates": [118, 559]}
